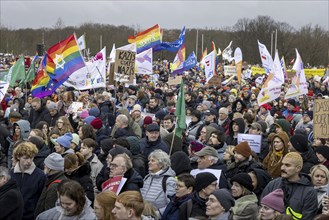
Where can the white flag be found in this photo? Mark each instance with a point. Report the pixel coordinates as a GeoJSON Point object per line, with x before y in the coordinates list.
{"type": "Point", "coordinates": [227, 53]}
{"type": "Point", "coordinates": [143, 63]}
{"type": "Point", "coordinates": [209, 65]}
{"type": "Point", "coordinates": [129, 47]}
{"type": "Point", "coordinates": [91, 76]}
{"type": "Point", "coordinates": [298, 85]}
{"type": "Point", "coordinates": [271, 88]}
{"type": "Point", "coordinates": [266, 58]}
{"type": "Point", "coordinates": [82, 42]}
{"type": "Point", "coordinates": [3, 89]}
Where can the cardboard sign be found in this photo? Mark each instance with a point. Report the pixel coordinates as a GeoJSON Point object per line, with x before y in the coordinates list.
{"type": "Point", "coordinates": [254, 141]}
{"type": "Point", "coordinates": [229, 70]}
{"type": "Point", "coordinates": [111, 74]}
{"type": "Point", "coordinates": [215, 81]}
{"type": "Point", "coordinates": [124, 67]}
{"type": "Point", "coordinates": [321, 118]}
{"type": "Point", "coordinates": [175, 81]}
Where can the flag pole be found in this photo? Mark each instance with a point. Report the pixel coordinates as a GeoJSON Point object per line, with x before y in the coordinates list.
{"type": "Point", "coordinates": [172, 141]}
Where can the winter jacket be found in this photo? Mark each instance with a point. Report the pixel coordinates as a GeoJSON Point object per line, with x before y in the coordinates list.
{"type": "Point", "coordinates": [11, 201]}
{"type": "Point", "coordinates": [96, 167]}
{"type": "Point", "coordinates": [242, 167]}
{"type": "Point", "coordinates": [103, 175]}
{"type": "Point", "coordinates": [49, 196]}
{"type": "Point", "coordinates": [148, 147]}
{"type": "Point", "coordinates": [300, 195]}
{"type": "Point", "coordinates": [172, 210]}
{"type": "Point", "coordinates": [39, 159]}
{"type": "Point", "coordinates": [82, 176]}
{"type": "Point", "coordinates": [198, 210]}
{"type": "Point", "coordinates": [192, 130]}
{"type": "Point", "coordinates": [134, 181]}
{"type": "Point", "coordinates": [221, 166]}
{"type": "Point", "coordinates": [225, 125]}
{"type": "Point", "coordinates": [31, 183]}
{"type": "Point", "coordinates": [153, 192]}
{"type": "Point", "coordinates": [58, 213]}
{"type": "Point", "coordinates": [41, 114]}
{"type": "Point", "coordinates": [245, 208]}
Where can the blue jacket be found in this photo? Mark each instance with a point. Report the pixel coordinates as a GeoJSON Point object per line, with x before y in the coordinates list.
{"type": "Point", "coordinates": [172, 210]}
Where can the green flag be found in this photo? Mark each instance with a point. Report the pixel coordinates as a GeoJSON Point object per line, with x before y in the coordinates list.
{"type": "Point", "coordinates": [30, 75]}
{"type": "Point", "coordinates": [17, 71]}
{"type": "Point", "coordinates": [180, 112]}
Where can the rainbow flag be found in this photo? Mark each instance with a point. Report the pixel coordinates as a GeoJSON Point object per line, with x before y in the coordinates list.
{"type": "Point", "coordinates": [64, 59]}
{"type": "Point", "coordinates": [43, 85]}
{"type": "Point", "coordinates": [146, 39]}
{"type": "Point", "coordinates": [179, 58]}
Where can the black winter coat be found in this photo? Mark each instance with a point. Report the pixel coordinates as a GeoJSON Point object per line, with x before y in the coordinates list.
{"type": "Point", "coordinates": [36, 116]}
{"type": "Point", "coordinates": [82, 176]}
{"type": "Point", "coordinates": [11, 201]}
{"type": "Point", "coordinates": [134, 181]}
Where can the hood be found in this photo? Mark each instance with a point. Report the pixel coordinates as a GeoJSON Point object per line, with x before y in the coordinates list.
{"type": "Point", "coordinates": [24, 125]}
{"type": "Point", "coordinates": [241, 124]}
{"type": "Point", "coordinates": [166, 172]}
{"type": "Point", "coordinates": [263, 178]}
{"type": "Point", "coordinates": [305, 180]}
{"type": "Point", "coordinates": [180, 162]}
{"type": "Point", "coordinates": [284, 124]}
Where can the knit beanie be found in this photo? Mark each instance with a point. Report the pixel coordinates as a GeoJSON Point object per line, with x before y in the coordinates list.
{"type": "Point", "coordinates": [225, 198]}
{"type": "Point", "coordinates": [244, 180]}
{"type": "Point", "coordinates": [134, 145]}
{"type": "Point", "coordinates": [94, 112]}
{"type": "Point", "coordinates": [263, 124]}
{"type": "Point", "coordinates": [243, 149]}
{"type": "Point", "coordinates": [65, 140]}
{"type": "Point", "coordinates": [299, 142]}
{"type": "Point", "coordinates": [84, 114]}
{"type": "Point", "coordinates": [196, 146]}
{"type": "Point", "coordinates": [266, 106]}
{"type": "Point", "coordinates": [52, 106]}
{"type": "Point", "coordinates": [89, 119]}
{"type": "Point", "coordinates": [202, 180]}
{"type": "Point", "coordinates": [274, 200]}
{"type": "Point", "coordinates": [55, 161]}
{"type": "Point", "coordinates": [148, 120]}
{"type": "Point", "coordinates": [292, 102]}
{"type": "Point", "coordinates": [160, 114]}
{"type": "Point", "coordinates": [136, 107]}
{"type": "Point", "coordinates": [75, 138]}
{"type": "Point", "coordinates": [323, 150]}
{"type": "Point", "coordinates": [96, 123]}
{"type": "Point", "coordinates": [309, 113]}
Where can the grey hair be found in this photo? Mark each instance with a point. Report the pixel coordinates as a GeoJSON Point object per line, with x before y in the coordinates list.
{"type": "Point", "coordinates": [123, 119]}
{"type": "Point", "coordinates": [4, 171]}
{"type": "Point", "coordinates": [128, 162]}
{"type": "Point", "coordinates": [214, 159]}
{"type": "Point", "coordinates": [162, 158]}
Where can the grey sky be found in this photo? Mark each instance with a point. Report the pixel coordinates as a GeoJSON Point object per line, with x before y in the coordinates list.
{"type": "Point", "coordinates": [168, 14]}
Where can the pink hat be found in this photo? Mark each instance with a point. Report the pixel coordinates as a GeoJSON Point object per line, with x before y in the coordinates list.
{"type": "Point", "coordinates": [84, 114]}
{"type": "Point", "coordinates": [274, 200]}
{"type": "Point", "coordinates": [148, 120]}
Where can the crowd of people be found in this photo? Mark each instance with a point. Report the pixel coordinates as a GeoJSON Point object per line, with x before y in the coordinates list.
{"type": "Point", "coordinates": [55, 161]}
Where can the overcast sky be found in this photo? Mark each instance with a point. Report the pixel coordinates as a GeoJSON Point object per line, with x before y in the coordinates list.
{"type": "Point", "coordinates": [168, 14]}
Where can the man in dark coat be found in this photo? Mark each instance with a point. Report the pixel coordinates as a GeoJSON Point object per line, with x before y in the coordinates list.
{"type": "Point", "coordinates": [11, 200]}
{"type": "Point", "coordinates": [38, 113]}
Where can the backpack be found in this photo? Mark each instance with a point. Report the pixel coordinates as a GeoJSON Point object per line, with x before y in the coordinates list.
{"type": "Point", "coordinates": [55, 181]}
{"type": "Point", "coordinates": [164, 183]}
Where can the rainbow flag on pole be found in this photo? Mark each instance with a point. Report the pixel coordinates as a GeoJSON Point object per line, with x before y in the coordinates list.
{"type": "Point", "coordinates": [64, 59]}
{"type": "Point", "coordinates": [179, 58]}
{"type": "Point", "coordinates": [146, 39]}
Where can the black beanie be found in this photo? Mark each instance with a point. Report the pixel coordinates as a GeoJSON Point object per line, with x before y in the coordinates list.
{"type": "Point", "coordinates": [180, 163]}
{"type": "Point", "coordinates": [292, 102]}
{"type": "Point", "coordinates": [323, 150]}
{"type": "Point", "coordinates": [202, 180]}
{"type": "Point", "coordinates": [244, 180]}
{"type": "Point", "coordinates": [299, 142]}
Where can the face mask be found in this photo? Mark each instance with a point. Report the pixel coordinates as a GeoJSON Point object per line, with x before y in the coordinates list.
{"type": "Point", "coordinates": [53, 140]}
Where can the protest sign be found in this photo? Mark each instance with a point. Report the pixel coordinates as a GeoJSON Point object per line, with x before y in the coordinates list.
{"type": "Point", "coordinates": [321, 118]}
{"type": "Point", "coordinates": [216, 172]}
{"type": "Point", "coordinates": [229, 70]}
{"type": "Point", "coordinates": [175, 80]}
{"type": "Point", "coordinates": [124, 67]}
{"type": "Point", "coordinates": [254, 141]}
{"type": "Point", "coordinates": [76, 106]}
{"type": "Point", "coordinates": [215, 81]}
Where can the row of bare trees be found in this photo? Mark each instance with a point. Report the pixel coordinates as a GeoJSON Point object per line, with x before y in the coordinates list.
{"type": "Point", "coordinates": [312, 42]}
